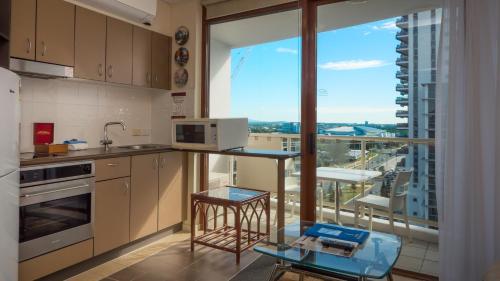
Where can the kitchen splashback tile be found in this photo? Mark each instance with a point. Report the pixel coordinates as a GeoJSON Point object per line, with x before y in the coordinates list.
{"type": "Point", "coordinates": [80, 110]}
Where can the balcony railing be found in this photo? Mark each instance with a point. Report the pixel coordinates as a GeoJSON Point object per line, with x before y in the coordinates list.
{"type": "Point", "coordinates": [403, 88]}
{"type": "Point", "coordinates": [402, 22]}
{"type": "Point", "coordinates": [384, 154]}
{"type": "Point", "coordinates": [402, 101]}
{"type": "Point", "coordinates": [402, 126]}
{"type": "Point", "coordinates": [403, 75]}
{"type": "Point", "coordinates": [402, 61]}
{"type": "Point", "coordinates": [402, 113]}
{"type": "Point", "coordinates": [402, 35]}
{"type": "Point", "coordinates": [402, 48]}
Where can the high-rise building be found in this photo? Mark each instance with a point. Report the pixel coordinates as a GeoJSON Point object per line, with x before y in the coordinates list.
{"type": "Point", "coordinates": [418, 37]}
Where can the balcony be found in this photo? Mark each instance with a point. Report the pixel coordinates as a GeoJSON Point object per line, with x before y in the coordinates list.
{"type": "Point", "coordinates": [402, 74]}
{"type": "Point", "coordinates": [402, 113]}
{"type": "Point", "coordinates": [402, 101]}
{"type": "Point", "coordinates": [402, 126]}
{"type": "Point", "coordinates": [402, 35]}
{"type": "Point", "coordinates": [402, 88]}
{"type": "Point", "coordinates": [402, 22]}
{"type": "Point", "coordinates": [402, 61]}
{"type": "Point", "coordinates": [402, 48]}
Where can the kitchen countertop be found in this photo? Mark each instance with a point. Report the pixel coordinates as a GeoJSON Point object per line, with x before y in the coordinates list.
{"type": "Point", "coordinates": [29, 159]}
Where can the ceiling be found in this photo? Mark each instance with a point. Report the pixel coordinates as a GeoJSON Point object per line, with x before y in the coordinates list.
{"type": "Point", "coordinates": [284, 25]}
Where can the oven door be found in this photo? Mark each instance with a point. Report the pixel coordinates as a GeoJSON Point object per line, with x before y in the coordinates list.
{"type": "Point", "coordinates": [53, 216]}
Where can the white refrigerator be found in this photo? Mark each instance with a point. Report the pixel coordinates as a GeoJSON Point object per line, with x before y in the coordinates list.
{"type": "Point", "coordinates": [9, 174]}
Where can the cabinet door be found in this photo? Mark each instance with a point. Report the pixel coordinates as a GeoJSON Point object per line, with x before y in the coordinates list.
{"type": "Point", "coordinates": [22, 34]}
{"type": "Point", "coordinates": [119, 52]}
{"type": "Point", "coordinates": [90, 44]}
{"type": "Point", "coordinates": [141, 61]}
{"type": "Point", "coordinates": [161, 47]}
{"type": "Point", "coordinates": [55, 32]}
{"type": "Point", "coordinates": [144, 196]}
{"type": "Point", "coordinates": [170, 187]}
{"type": "Point", "coordinates": [112, 213]}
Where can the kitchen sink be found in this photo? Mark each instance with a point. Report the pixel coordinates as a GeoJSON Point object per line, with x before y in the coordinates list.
{"type": "Point", "coordinates": [142, 146]}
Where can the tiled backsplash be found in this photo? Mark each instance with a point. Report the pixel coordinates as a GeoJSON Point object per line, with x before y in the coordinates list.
{"type": "Point", "coordinates": [80, 109]}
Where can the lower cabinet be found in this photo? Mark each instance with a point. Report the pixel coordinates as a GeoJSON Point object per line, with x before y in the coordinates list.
{"type": "Point", "coordinates": [43, 265]}
{"type": "Point", "coordinates": [171, 182]}
{"type": "Point", "coordinates": [112, 214]}
{"type": "Point", "coordinates": [144, 196]}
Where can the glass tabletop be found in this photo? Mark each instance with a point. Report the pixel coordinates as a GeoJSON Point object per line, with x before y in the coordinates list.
{"type": "Point", "coordinates": [373, 259]}
{"type": "Point", "coordinates": [231, 193]}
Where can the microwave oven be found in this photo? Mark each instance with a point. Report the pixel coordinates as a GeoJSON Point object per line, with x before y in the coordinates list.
{"type": "Point", "coordinates": [210, 134]}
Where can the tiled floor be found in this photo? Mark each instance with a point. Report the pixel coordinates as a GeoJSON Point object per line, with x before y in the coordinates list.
{"type": "Point", "coordinates": [170, 259]}
{"type": "Point", "coordinates": [419, 256]}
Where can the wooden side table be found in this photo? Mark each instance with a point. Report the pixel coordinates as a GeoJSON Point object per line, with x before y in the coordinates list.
{"type": "Point", "coordinates": [247, 205]}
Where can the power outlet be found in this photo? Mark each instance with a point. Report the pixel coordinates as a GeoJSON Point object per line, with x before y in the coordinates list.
{"type": "Point", "coordinates": [140, 132]}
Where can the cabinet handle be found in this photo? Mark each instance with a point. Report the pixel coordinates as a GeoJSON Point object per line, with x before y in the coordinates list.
{"type": "Point", "coordinates": [99, 69]}
{"type": "Point", "coordinates": [113, 164]}
{"type": "Point", "coordinates": [156, 77]}
{"type": "Point", "coordinates": [127, 186]}
{"type": "Point", "coordinates": [44, 48]}
{"type": "Point", "coordinates": [163, 161]}
{"type": "Point", "coordinates": [148, 77]}
{"type": "Point", "coordinates": [155, 163]}
{"type": "Point", "coordinates": [110, 71]}
{"type": "Point", "coordinates": [28, 45]}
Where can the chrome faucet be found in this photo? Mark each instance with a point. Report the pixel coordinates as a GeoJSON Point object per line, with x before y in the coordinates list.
{"type": "Point", "coordinates": [106, 141]}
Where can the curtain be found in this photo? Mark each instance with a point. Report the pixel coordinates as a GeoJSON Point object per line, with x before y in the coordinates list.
{"type": "Point", "coordinates": [468, 139]}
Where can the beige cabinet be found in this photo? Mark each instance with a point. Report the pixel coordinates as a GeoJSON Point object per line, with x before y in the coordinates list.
{"type": "Point", "coordinates": [112, 168]}
{"type": "Point", "coordinates": [161, 50]}
{"type": "Point", "coordinates": [90, 44]}
{"type": "Point", "coordinates": [55, 32]}
{"type": "Point", "coordinates": [144, 196]}
{"type": "Point", "coordinates": [112, 213]}
{"type": "Point", "coordinates": [22, 34]}
{"type": "Point", "coordinates": [141, 60]}
{"type": "Point", "coordinates": [118, 52]}
{"type": "Point", "coordinates": [171, 182]}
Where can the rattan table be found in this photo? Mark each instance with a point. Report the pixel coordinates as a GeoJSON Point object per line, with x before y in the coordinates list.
{"type": "Point", "coordinates": [247, 206]}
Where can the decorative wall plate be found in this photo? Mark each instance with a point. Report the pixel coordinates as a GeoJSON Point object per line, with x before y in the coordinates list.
{"type": "Point", "coordinates": [182, 56]}
{"type": "Point", "coordinates": [181, 77]}
{"type": "Point", "coordinates": [181, 35]}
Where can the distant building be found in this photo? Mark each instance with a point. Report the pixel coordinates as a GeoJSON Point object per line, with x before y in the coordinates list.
{"type": "Point", "coordinates": [356, 131]}
{"type": "Point", "coordinates": [419, 39]}
{"type": "Point", "coordinates": [290, 128]}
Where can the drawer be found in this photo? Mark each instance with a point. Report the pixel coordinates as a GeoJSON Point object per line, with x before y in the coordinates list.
{"type": "Point", "coordinates": [112, 168]}
{"type": "Point", "coordinates": [54, 261]}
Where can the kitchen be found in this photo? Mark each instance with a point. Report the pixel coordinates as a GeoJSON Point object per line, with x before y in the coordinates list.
{"type": "Point", "coordinates": [102, 73]}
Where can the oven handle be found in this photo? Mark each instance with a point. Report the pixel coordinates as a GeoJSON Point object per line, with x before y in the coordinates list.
{"type": "Point", "coordinates": [54, 191]}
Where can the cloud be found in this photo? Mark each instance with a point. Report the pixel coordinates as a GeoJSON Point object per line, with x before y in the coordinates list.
{"type": "Point", "coordinates": [352, 64]}
{"type": "Point", "coordinates": [287, 50]}
{"type": "Point", "coordinates": [389, 25]}
{"type": "Point", "coordinates": [366, 33]}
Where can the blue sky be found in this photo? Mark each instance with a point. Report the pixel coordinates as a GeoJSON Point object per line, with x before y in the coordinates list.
{"type": "Point", "coordinates": [356, 68]}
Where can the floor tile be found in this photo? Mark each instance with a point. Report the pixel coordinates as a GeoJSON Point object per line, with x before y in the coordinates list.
{"type": "Point", "coordinates": [432, 255]}
{"type": "Point", "coordinates": [411, 251]}
{"type": "Point", "coordinates": [430, 268]}
{"type": "Point", "coordinates": [415, 243]}
{"type": "Point", "coordinates": [127, 274]}
{"type": "Point", "coordinates": [409, 263]}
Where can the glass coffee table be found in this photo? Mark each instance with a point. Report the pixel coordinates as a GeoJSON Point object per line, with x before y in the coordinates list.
{"type": "Point", "coordinates": [374, 258]}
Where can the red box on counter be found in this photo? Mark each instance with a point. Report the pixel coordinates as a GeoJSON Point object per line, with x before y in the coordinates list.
{"type": "Point", "coordinates": [43, 133]}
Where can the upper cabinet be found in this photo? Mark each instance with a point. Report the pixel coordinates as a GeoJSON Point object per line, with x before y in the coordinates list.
{"type": "Point", "coordinates": [141, 61]}
{"type": "Point", "coordinates": [90, 45]}
{"type": "Point", "coordinates": [119, 52]}
{"type": "Point", "coordinates": [22, 35]}
{"type": "Point", "coordinates": [55, 32]}
{"type": "Point", "coordinates": [161, 47]}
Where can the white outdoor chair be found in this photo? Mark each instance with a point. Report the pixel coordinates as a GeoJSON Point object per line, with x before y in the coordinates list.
{"type": "Point", "coordinates": [292, 195]}
{"type": "Point", "coordinates": [395, 202]}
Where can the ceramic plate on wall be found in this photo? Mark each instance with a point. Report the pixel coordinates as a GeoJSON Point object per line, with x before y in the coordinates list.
{"type": "Point", "coordinates": [182, 56]}
{"type": "Point", "coordinates": [181, 35]}
{"type": "Point", "coordinates": [181, 77]}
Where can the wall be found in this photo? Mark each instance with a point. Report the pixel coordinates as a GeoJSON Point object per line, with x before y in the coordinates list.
{"type": "Point", "coordinates": [80, 110]}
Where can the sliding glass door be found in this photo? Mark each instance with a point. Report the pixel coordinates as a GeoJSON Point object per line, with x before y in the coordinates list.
{"type": "Point", "coordinates": [255, 73]}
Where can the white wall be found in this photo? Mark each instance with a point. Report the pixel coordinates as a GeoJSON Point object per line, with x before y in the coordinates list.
{"type": "Point", "coordinates": [80, 110]}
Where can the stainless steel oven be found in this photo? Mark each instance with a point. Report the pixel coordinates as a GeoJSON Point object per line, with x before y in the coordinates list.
{"type": "Point", "coordinates": [56, 207]}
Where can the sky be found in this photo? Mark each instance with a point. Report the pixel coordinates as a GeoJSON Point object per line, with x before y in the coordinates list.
{"type": "Point", "coordinates": [356, 77]}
